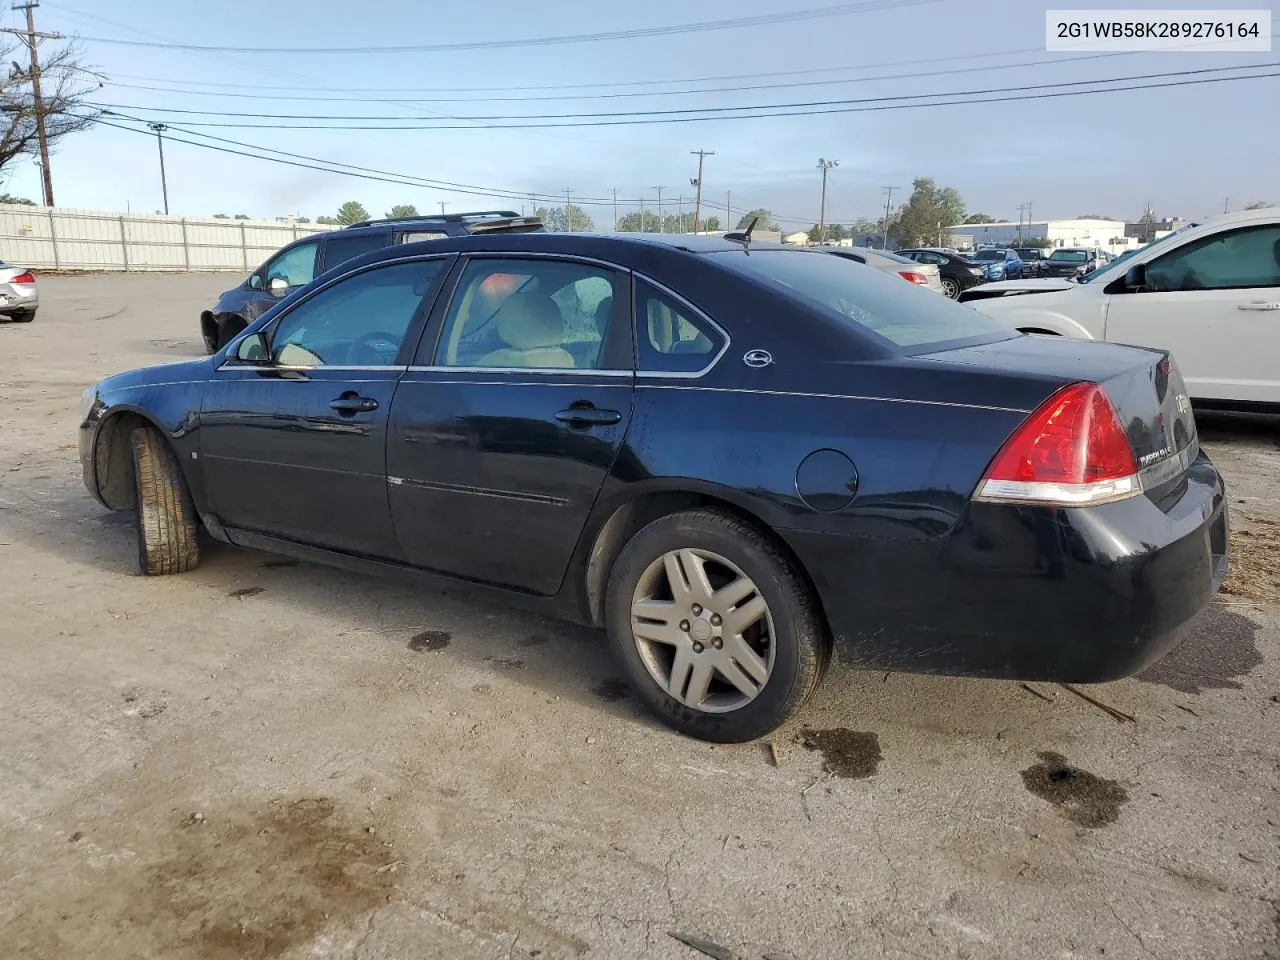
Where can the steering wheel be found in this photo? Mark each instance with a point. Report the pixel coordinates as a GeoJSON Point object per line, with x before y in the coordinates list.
{"type": "Point", "coordinates": [383, 345]}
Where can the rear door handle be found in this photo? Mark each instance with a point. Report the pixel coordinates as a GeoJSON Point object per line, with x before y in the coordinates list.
{"type": "Point", "coordinates": [1260, 305]}
{"type": "Point", "coordinates": [587, 415]}
{"type": "Point", "coordinates": [348, 403]}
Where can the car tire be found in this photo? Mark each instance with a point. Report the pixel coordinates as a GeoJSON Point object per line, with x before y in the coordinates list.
{"type": "Point", "coordinates": [951, 288]}
{"type": "Point", "coordinates": [23, 316]}
{"type": "Point", "coordinates": [228, 329]}
{"type": "Point", "coordinates": [167, 525]}
{"type": "Point", "coordinates": [789, 641]}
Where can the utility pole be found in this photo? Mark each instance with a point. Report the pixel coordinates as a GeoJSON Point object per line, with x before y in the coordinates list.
{"type": "Point", "coordinates": [643, 228]}
{"type": "Point", "coordinates": [662, 227]}
{"type": "Point", "coordinates": [728, 209]}
{"type": "Point", "coordinates": [160, 128]}
{"type": "Point", "coordinates": [697, 199]}
{"type": "Point", "coordinates": [888, 203]}
{"type": "Point", "coordinates": [1021, 207]}
{"type": "Point", "coordinates": [567, 192]}
{"type": "Point", "coordinates": [32, 39]}
{"type": "Point", "coordinates": [1226, 205]}
{"type": "Point", "coordinates": [441, 202]}
{"type": "Point", "coordinates": [680, 216]}
{"type": "Point", "coordinates": [824, 166]}
{"type": "Point", "coordinates": [615, 209]}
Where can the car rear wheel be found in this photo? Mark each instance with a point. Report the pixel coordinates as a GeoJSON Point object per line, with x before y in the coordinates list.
{"type": "Point", "coordinates": [167, 525]}
{"type": "Point", "coordinates": [23, 316]}
{"type": "Point", "coordinates": [950, 288]}
{"type": "Point", "coordinates": [717, 631]}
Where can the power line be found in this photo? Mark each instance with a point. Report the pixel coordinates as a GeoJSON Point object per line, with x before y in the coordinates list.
{"type": "Point", "coordinates": [818, 13]}
{"type": "Point", "coordinates": [803, 108]}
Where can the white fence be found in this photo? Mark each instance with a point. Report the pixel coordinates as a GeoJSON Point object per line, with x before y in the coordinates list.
{"type": "Point", "coordinates": [52, 238]}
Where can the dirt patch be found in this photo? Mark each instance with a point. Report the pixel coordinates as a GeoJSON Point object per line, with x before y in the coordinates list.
{"type": "Point", "coordinates": [510, 663]}
{"type": "Point", "coordinates": [222, 886]}
{"type": "Point", "coordinates": [429, 640]}
{"type": "Point", "coordinates": [1255, 559]}
{"type": "Point", "coordinates": [1083, 798]}
{"type": "Point", "coordinates": [1221, 648]}
{"type": "Point", "coordinates": [611, 691]}
{"type": "Point", "coordinates": [246, 592]}
{"type": "Point", "coordinates": [533, 640]}
{"type": "Point", "coordinates": [277, 564]}
{"type": "Point", "coordinates": [845, 753]}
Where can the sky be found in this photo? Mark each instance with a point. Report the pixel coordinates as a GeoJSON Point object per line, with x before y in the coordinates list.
{"type": "Point", "coordinates": [1186, 150]}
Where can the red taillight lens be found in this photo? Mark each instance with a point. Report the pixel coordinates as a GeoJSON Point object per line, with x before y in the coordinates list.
{"type": "Point", "coordinates": [27, 277]}
{"type": "Point", "coordinates": [1071, 451]}
{"type": "Point", "coordinates": [919, 278]}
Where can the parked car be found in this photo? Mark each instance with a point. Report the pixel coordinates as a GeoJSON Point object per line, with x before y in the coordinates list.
{"type": "Point", "coordinates": [19, 297]}
{"type": "Point", "coordinates": [1209, 293]}
{"type": "Point", "coordinates": [923, 275]}
{"type": "Point", "coordinates": [957, 272]}
{"type": "Point", "coordinates": [733, 457]}
{"type": "Point", "coordinates": [1073, 262]}
{"type": "Point", "coordinates": [1033, 259]}
{"type": "Point", "coordinates": [1012, 263]}
{"type": "Point", "coordinates": [294, 266]}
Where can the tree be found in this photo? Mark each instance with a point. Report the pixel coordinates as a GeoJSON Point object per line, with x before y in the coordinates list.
{"type": "Point", "coordinates": [766, 219]}
{"type": "Point", "coordinates": [638, 222]}
{"type": "Point", "coordinates": [711, 224]}
{"type": "Point", "coordinates": [835, 232]}
{"type": "Point", "coordinates": [554, 219]}
{"type": "Point", "coordinates": [10, 198]}
{"type": "Point", "coordinates": [326, 221]}
{"type": "Point", "coordinates": [242, 216]}
{"type": "Point", "coordinates": [927, 215]}
{"type": "Point", "coordinates": [678, 222]}
{"type": "Point", "coordinates": [302, 220]}
{"type": "Point", "coordinates": [979, 218]}
{"type": "Point", "coordinates": [221, 216]}
{"type": "Point", "coordinates": [1257, 205]}
{"type": "Point", "coordinates": [402, 210]}
{"type": "Point", "coordinates": [352, 212]}
{"type": "Point", "coordinates": [815, 234]}
{"type": "Point", "coordinates": [64, 90]}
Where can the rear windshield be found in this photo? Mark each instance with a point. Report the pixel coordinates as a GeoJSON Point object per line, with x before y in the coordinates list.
{"type": "Point", "coordinates": [1070, 256]}
{"type": "Point", "coordinates": [905, 315]}
{"type": "Point", "coordinates": [892, 256]}
{"type": "Point", "coordinates": [988, 255]}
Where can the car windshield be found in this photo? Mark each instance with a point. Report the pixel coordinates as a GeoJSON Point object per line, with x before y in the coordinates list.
{"type": "Point", "coordinates": [903, 314]}
{"type": "Point", "coordinates": [1069, 256]}
{"type": "Point", "coordinates": [987, 255]}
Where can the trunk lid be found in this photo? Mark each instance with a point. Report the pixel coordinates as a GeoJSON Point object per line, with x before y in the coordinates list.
{"type": "Point", "coordinates": [1143, 384]}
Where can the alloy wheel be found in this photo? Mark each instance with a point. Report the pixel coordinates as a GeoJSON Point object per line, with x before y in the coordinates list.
{"type": "Point", "coordinates": [703, 630]}
{"type": "Point", "coordinates": [950, 288]}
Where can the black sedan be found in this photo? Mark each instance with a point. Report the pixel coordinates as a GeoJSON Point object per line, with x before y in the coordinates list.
{"type": "Point", "coordinates": [739, 459]}
{"type": "Point", "coordinates": [957, 273]}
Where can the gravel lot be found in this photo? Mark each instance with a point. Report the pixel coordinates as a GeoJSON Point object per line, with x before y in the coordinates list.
{"type": "Point", "coordinates": [265, 759]}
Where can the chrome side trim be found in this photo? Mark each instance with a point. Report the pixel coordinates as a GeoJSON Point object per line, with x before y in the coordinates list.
{"type": "Point", "coordinates": [505, 383]}
{"type": "Point", "coordinates": [231, 365]}
{"type": "Point", "coordinates": [694, 375]}
{"type": "Point", "coordinates": [479, 491]}
{"type": "Point", "coordinates": [837, 396]}
{"type": "Point", "coordinates": [557, 371]}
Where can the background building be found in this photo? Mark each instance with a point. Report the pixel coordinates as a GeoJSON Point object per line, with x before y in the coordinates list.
{"type": "Point", "coordinates": [1110, 235]}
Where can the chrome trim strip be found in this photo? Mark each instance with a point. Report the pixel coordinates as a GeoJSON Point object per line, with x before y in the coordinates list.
{"type": "Point", "coordinates": [635, 320]}
{"type": "Point", "coordinates": [505, 383]}
{"type": "Point", "coordinates": [557, 371]}
{"type": "Point", "coordinates": [1168, 469]}
{"type": "Point", "coordinates": [1059, 494]}
{"type": "Point", "coordinates": [836, 396]}
{"type": "Point", "coordinates": [231, 365]}
{"type": "Point", "coordinates": [479, 491]}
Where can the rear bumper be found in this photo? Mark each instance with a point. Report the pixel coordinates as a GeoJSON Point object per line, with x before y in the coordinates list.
{"type": "Point", "coordinates": [1029, 593]}
{"type": "Point", "coordinates": [18, 299]}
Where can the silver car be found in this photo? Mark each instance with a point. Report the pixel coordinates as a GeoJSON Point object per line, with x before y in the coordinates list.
{"type": "Point", "coordinates": [921, 274]}
{"type": "Point", "coordinates": [19, 297]}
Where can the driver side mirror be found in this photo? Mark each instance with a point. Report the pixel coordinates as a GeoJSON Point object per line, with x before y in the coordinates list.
{"type": "Point", "coordinates": [277, 286]}
{"type": "Point", "coordinates": [1135, 278]}
{"type": "Point", "coordinates": [253, 349]}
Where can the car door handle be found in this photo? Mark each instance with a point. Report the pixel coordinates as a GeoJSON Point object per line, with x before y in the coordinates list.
{"type": "Point", "coordinates": [587, 415]}
{"type": "Point", "coordinates": [1260, 305]}
{"type": "Point", "coordinates": [348, 403]}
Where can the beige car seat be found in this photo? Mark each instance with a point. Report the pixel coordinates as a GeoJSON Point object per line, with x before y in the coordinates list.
{"type": "Point", "coordinates": [532, 327]}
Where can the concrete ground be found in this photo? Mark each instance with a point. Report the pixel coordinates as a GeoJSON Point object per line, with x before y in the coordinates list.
{"type": "Point", "coordinates": [264, 759]}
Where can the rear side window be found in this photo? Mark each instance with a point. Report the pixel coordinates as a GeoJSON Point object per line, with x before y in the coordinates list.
{"type": "Point", "coordinates": [882, 303]}
{"type": "Point", "coordinates": [413, 236]}
{"type": "Point", "coordinates": [671, 337]}
{"type": "Point", "coordinates": [1230, 260]}
{"type": "Point", "coordinates": [339, 249]}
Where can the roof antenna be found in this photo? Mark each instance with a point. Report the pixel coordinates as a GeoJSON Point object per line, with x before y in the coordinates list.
{"type": "Point", "coordinates": [743, 236]}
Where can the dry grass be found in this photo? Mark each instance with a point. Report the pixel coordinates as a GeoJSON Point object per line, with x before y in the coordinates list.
{"type": "Point", "coordinates": [1255, 560]}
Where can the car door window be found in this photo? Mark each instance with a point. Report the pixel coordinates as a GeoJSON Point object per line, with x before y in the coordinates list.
{"type": "Point", "coordinates": [934, 258]}
{"type": "Point", "coordinates": [671, 337]}
{"type": "Point", "coordinates": [295, 266]}
{"type": "Point", "coordinates": [413, 236]}
{"type": "Point", "coordinates": [1231, 260]}
{"type": "Point", "coordinates": [358, 321]}
{"type": "Point", "coordinates": [535, 314]}
{"type": "Point", "coordinates": [340, 248]}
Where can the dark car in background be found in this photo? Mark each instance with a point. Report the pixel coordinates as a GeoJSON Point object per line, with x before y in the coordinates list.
{"type": "Point", "coordinates": [294, 266]}
{"type": "Point", "coordinates": [1032, 258]}
{"type": "Point", "coordinates": [958, 273]}
{"type": "Point", "coordinates": [1073, 262]}
{"type": "Point", "coordinates": [1014, 268]}
{"type": "Point", "coordinates": [737, 459]}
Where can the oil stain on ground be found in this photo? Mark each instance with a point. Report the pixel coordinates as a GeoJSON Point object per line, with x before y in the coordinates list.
{"type": "Point", "coordinates": [1083, 798]}
{"type": "Point", "coordinates": [429, 640]}
{"type": "Point", "coordinates": [533, 640]}
{"type": "Point", "coordinates": [1220, 648]}
{"type": "Point", "coordinates": [245, 592]}
{"type": "Point", "coordinates": [845, 753]}
{"type": "Point", "coordinates": [611, 691]}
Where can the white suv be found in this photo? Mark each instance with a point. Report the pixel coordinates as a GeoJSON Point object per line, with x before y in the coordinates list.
{"type": "Point", "coordinates": [1209, 293]}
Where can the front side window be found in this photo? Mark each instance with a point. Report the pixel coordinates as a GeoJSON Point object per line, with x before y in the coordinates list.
{"type": "Point", "coordinates": [295, 266]}
{"type": "Point", "coordinates": [534, 314]}
{"type": "Point", "coordinates": [671, 337]}
{"type": "Point", "coordinates": [358, 321]}
{"type": "Point", "coordinates": [1224, 261]}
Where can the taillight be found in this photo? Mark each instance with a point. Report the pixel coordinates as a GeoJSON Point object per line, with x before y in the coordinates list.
{"type": "Point", "coordinates": [1071, 451]}
{"type": "Point", "coordinates": [27, 277]}
{"type": "Point", "coordinates": [919, 278]}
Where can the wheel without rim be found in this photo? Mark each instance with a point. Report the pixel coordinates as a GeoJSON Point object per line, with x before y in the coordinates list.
{"type": "Point", "coordinates": [228, 330]}
{"type": "Point", "coordinates": [716, 629]}
{"type": "Point", "coordinates": [23, 316]}
{"type": "Point", "coordinates": [950, 288]}
{"type": "Point", "coordinates": [166, 524]}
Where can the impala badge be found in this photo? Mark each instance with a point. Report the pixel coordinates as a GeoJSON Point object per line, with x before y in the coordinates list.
{"type": "Point", "coordinates": [757, 358]}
